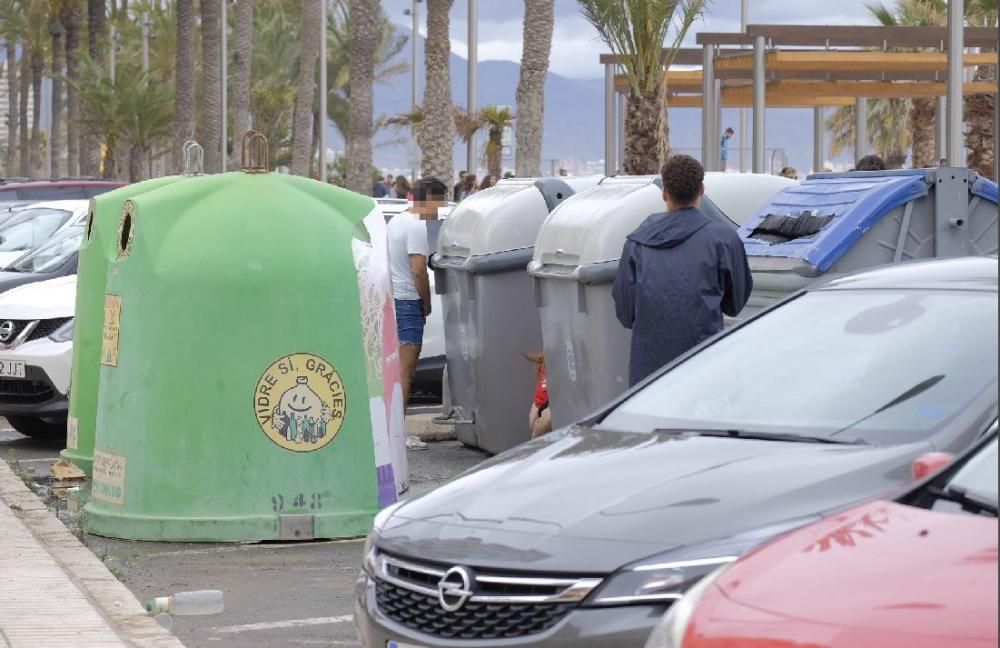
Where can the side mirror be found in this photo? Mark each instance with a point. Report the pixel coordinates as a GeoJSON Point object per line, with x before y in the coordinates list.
{"type": "Point", "coordinates": [930, 462]}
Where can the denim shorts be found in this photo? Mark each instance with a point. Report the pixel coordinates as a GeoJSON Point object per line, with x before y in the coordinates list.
{"type": "Point", "coordinates": [410, 321]}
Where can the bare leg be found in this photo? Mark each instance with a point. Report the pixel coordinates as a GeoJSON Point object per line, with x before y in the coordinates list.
{"type": "Point", "coordinates": [409, 354]}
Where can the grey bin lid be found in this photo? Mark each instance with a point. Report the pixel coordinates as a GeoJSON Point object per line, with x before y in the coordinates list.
{"type": "Point", "coordinates": [504, 218]}
{"type": "Point", "coordinates": [592, 225]}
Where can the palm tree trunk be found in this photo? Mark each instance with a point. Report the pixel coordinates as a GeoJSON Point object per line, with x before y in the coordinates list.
{"type": "Point", "coordinates": [22, 151]}
{"type": "Point", "coordinates": [539, 20]}
{"type": "Point", "coordinates": [309, 35]}
{"type": "Point", "coordinates": [70, 16]}
{"type": "Point", "coordinates": [980, 138]}
{"type": "Point", "coordinates": [361, 53]}
{"type": "Point", "coordinates": [138, 163]}
{"type": "Point", "coordinates": [37, 70]}
{"type": "Point", "coordinates": [494, 154]}
{"type": "Point", "coordinates": [55, 168]}
{"type": "Point", "coordinates": [314, 144]}
{"type": "Point", "coordinates": [437, 134]}
{"type": "Point", "coordinates": [922, 132]}
{"type": "Point", "coordinates": [12, 107]}
{"type": "Point", "coordinates": [240, 76]}
{"type": "Point", "coordinates": [211, 99]}
{"type": "Point", "coordinates": [642, 124]}
{"type": "Point", "coordinates": [184, 85]}
{"type": "Point", "coordinates": [97, 42]}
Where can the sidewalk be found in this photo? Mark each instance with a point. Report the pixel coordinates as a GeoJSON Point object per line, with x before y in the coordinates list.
{"type": "Point", "coordinates": [53, 591]}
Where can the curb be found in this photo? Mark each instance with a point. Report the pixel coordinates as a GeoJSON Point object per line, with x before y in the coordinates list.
{"type": "Point", "coordinates": [109, 597]}
{"type": "Point", "coordinates": [425, 429]}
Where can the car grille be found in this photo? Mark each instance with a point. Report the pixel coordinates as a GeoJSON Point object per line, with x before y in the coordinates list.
{"type": "Point", "coordinates": [33, 389]}
{"type": "Point", "coordinates": [38, 329]}
{"type": "Point", "coordinates": [499, 607]}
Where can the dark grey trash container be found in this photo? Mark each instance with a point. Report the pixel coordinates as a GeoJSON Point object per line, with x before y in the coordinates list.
{"type": "Point", "coordinates": [490, 320]}
{"type": "Point", "coordinates": [834, 223]}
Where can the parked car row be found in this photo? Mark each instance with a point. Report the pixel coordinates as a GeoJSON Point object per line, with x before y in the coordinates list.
{"type": "Point", "coordinates": [589, 535]}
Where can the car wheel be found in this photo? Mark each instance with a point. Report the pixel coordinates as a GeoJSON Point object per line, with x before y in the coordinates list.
{"type": "Point", "coordinates": [38, 427]}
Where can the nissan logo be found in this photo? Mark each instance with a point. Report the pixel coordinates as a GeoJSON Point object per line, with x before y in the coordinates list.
{"type": "Point", "coordinates": [6, 331]}
{"type": "Point", "coordinates": [454, 588]}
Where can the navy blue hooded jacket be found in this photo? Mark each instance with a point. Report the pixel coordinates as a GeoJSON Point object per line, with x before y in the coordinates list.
{"type": "Point", "coordinates": [679, 272]}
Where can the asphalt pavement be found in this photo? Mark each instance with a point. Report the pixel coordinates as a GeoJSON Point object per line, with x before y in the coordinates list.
{"type": "Point", "coordinates": [276, 595]}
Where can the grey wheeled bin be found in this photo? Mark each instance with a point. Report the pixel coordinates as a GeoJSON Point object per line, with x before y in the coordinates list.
{"type": "Point", "coordinates": [576, 258]}
{"type": "Point", "coordinates": [490, 321]}
{"type": "Point", "coordinates": [834, 223]}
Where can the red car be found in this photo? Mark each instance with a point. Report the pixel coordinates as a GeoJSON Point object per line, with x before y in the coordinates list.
{"type": "Point", "coordinates": [22, 191]}
{"type": "Point", "coordinates": [917, 572]}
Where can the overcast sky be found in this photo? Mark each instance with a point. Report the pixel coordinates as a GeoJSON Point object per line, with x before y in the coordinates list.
{"type": "Point", "coordinates": [575, 45]}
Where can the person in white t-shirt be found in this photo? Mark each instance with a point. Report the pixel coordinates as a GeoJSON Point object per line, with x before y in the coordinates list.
{"type": "Point", "coordinates": [409, 251]}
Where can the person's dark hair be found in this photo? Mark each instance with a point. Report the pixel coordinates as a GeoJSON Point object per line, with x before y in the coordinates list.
{"type": "Point", "coordinates": [402, 186]}
{"type": "Point", "coordinates": [730, 130]}
{"type": "Point", "coordinates": [870, 163]}
{"type": "Point", "coordinates": [682, 176]}
{"type": "Point", "coordinates": [426, 189]}
{"type": "Point", "coordinates": [469, 184]}
{"type": "Point", "coordinates": [489, 180]}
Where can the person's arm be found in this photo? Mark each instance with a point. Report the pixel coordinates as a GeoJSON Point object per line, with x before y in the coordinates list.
{"type": "Point", "coordinates": [418, 249]}
{"type": "Point", "coordinates": [623, 290]}
{"type": "Point", "coordinates": [737, 281]}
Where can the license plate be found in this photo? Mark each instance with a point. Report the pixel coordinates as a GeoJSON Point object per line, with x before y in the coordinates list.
{"type": "Point", "coordinates": [396, 644]}
{"type": "Point", "coordinates": [11, 369]}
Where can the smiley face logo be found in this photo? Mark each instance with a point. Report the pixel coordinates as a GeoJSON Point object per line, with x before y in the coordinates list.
{"type": "Point", "coordinates": [300, 402]}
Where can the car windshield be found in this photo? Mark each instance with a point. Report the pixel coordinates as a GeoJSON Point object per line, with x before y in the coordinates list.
{"type": "Point", "coordinates": [881, 366]}
{"type": "Point", "coordinates": [51, 255]}
{"type": "Point", "coordinates": [33, 227]}
{"type": "Point", "coordinates": [978, 477]}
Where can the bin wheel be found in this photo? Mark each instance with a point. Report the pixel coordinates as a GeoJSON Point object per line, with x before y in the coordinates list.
{"type": "Point", "coordinates": [37, 427]}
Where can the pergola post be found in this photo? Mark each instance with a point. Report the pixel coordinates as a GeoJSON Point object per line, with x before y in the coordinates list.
{"type": "Point", "coordinates": [941, 129]}
{"type": "Point", "coordinates": [609, 119]}
{"type": "Point", "coordinates": [759, 88]}
{"type": "Point", "coordinates": [717, 123]}
{"type": "Point", "coordinates": [709, 138]}
{"type": "Point", "coordinates": [818, 154]}
{"type": "Point", "coordinates": [860, 127]}
{"type": "Point", "coordinates": [956, 76]}
{"type": "Point", "coordinates": [622, 107]}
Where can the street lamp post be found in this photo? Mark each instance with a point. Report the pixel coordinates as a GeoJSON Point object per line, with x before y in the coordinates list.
{"type": "Point", "coordinates": [744, 17]}
{"type": "Point", "coordinates": [956, 73]}
{"type": "Point", "coordinates": [473, 59]}
{"type": "Point", "coordinates": [414, 77]}
{"type": "Point", "coordinates": [322, 92]}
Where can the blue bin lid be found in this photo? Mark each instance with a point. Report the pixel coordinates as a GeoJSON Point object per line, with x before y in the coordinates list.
{"type": "Point", "coordinates": [985, 189]}
{"type": "Point", "coordinates": [855, 200]}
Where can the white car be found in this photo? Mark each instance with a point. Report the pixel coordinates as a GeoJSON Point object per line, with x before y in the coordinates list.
{"type": "Point", "coordinates": [32, 226]}
{"type": "Point", "coordinates": [36, 355]}
{"type": "Point", "coordinates": [430, 369]}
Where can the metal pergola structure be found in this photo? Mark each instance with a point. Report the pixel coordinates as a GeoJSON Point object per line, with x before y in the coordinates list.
{"type": "Point", "coordinates": [815, 66]}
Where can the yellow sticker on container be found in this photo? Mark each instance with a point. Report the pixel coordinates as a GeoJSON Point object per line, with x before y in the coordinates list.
{"type": "Point", "coordinates": [109, 478]}
{"type": "Point", "coordinates": [112, 322]}
{"type": "Point", "coordinates": [300, 402]}
{"type": "Point", "coordinates": [72, 433]}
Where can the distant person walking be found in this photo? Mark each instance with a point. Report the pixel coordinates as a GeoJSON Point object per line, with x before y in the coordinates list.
{"type": "Point", "coordinates": [468, 186]}
{"type": "Point", "coordinates": [401, 188]}
{"type": "Point", "coordinates": [456, 193]}
{"type": "Point", "coordinates": [488, 181]}
{"type": "Point", "coordinates": [409, 250]}
{"type": "Point", "coordinates": [724, 146]}
{"type": "Point", "coordinates": [380, 189]}
{"type": "Point", "coordinates": [678, 274]}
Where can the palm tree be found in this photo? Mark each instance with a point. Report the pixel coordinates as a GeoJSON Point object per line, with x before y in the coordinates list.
{"type": "Point", "coordinates": [97, 44]}
{"type": "Point", "coordinates": [242, 56]}
{"type": "Point", "coordinates": [56, 31]}
{"type": "Point", "coordinates": [24, 88]}
{"type": "Point", "coordinates": [309, 36]}
{"type": "Point", "coordinates": [495, 119]}
{"type": "Point", "coordinates": [272, 92]}
{"type": "Point", "coordinates": [888, 129]}
{"type": "Point", "coordinates": [364, 30]}
{"type": "Point", "coordinates": [72, 21]}
{"type": "Point", "coordinates": [437, 133]}
{"type": "Point", "coordinates": [539, 21]}
{"type": "Point", "coordinates": [979, 109]}
{"type": "Point", "coordinates": [184, 84]}
{"type": "Point", "coordinates": [37, 38]}
{"type": "Point", "coordinates": [11, 29]}
{"type": "Point", "coordinates": [211, 97]}
{"type": "Point", "coordinates": [636, 30]}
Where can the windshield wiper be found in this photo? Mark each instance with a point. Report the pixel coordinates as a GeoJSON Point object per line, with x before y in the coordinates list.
{"type": "Point", "coordinates": [968, 501]}
{"type": "Point", "coordinates": [762, 436]}
{"type": "Point", "coordinates": [912, 392]}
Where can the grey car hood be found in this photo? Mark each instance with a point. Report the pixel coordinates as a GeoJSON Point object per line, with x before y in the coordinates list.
{"type": "Point", "coordinates": [588, 501]}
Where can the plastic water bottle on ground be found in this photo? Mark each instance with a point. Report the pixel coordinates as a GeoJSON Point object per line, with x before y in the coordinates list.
{"type": "Point", "coordinates": [199, 602]}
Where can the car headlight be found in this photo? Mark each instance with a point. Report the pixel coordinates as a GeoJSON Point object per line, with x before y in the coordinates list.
{"type": "Point", "coordinates": [64, 333]}
{"type": "Point", "coordinates": [381, 518]}
{"type": "Point", "coordinates": [665, 577]}
{"type": "Point", "coordinates": [670, 631]}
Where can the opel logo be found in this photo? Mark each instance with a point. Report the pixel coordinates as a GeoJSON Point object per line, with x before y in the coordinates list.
{"type": "Point", "coordinates": [454, 588]}
{"type": "Point", "coordinates": [6, 331]}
